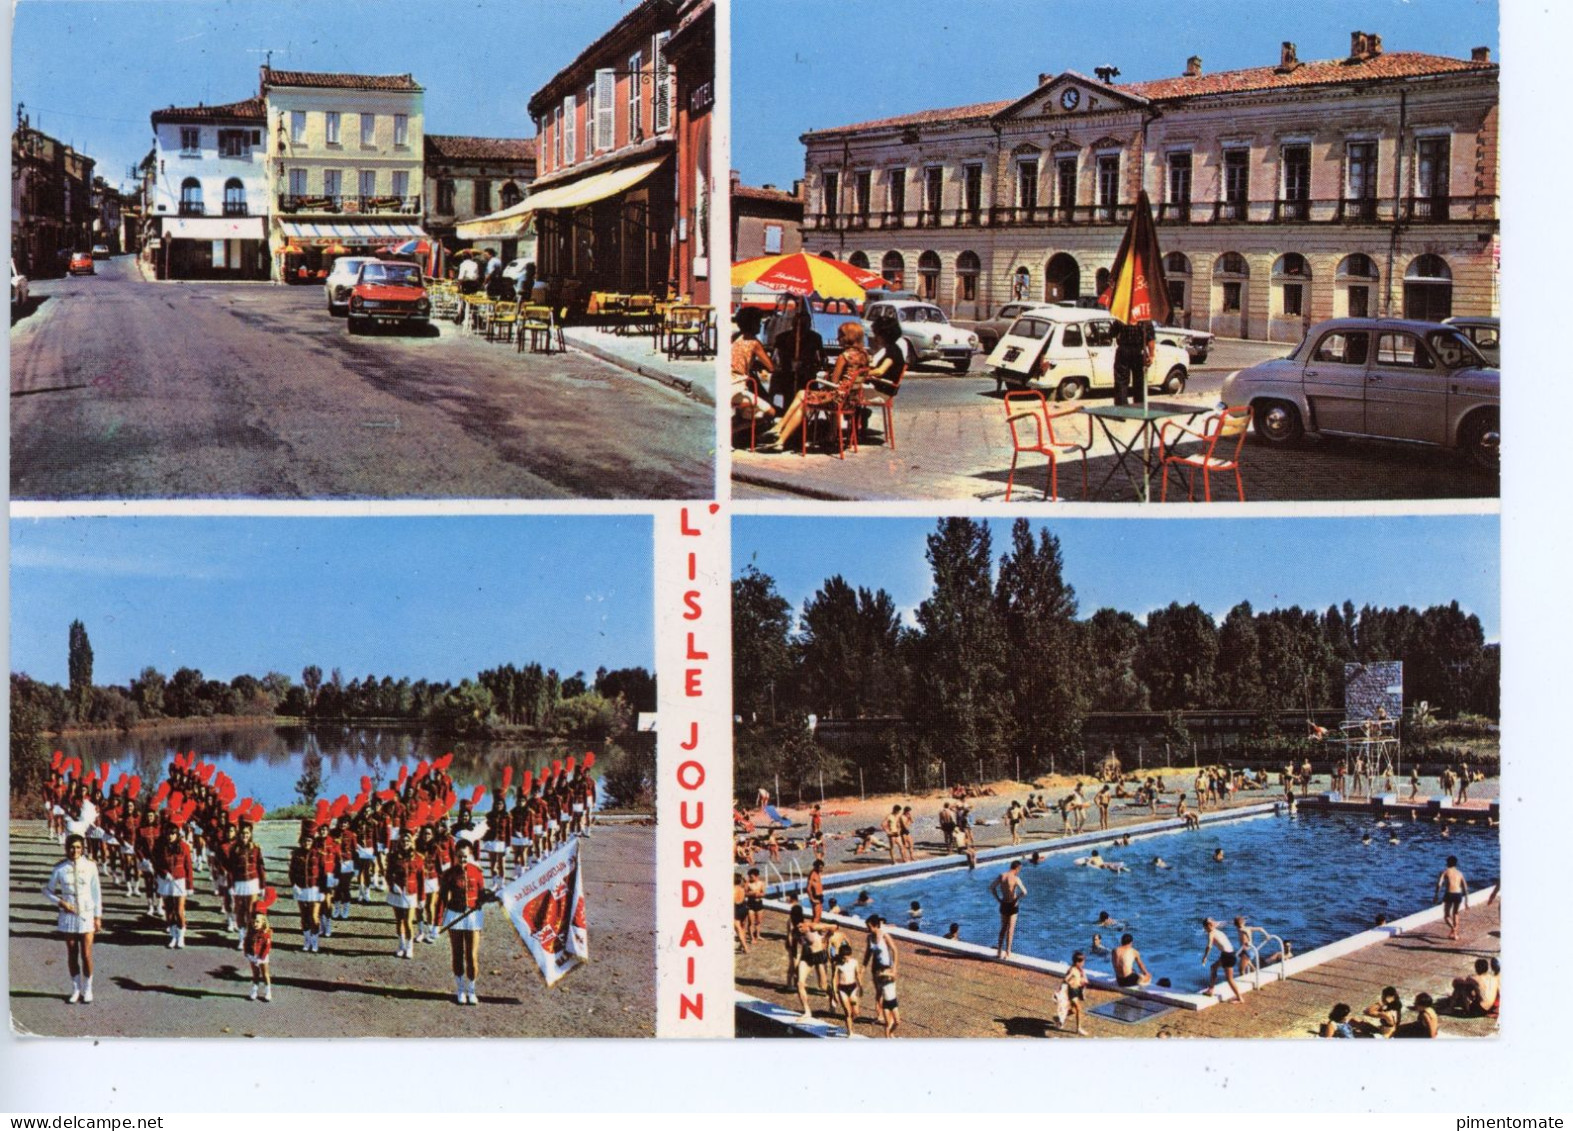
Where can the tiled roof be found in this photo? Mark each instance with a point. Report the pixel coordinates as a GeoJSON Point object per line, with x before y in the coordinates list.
{"type": "Point", "coordinates": [252, 109]}
{"type": "Point", "coordinates": [460, 148]}
{"type": "Point", "coordinates": [750, 192]}
{"type": "Point", "coordinates": [1389, 65]}
{"type": "Point", "coordinates": [271, 77]}
{"type": "Point", "coordinates": [1394, 65]}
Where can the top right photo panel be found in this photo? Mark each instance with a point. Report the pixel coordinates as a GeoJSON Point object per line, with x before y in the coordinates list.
{"type": "Point", "coordinates": [997, 250]}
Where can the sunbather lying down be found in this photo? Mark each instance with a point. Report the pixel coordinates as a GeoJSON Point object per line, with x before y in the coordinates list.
{"type": "Point", "coordinates": [868, 840]}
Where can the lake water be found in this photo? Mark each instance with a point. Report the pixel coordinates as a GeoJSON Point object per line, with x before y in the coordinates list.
{"type": "Point", "coordinates": [1306, 878]}
{"type": "Point", "coordinates": [265, 761]}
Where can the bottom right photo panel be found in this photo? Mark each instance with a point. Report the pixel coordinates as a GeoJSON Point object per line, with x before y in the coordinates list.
{"type": "Point", "coordinates": [1114, 778]}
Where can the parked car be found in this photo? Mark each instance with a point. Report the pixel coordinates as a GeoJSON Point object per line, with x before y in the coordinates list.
{"type": "Point", "coordinates": [928, 334]}
{"type": "Point", "coordinates": [1071, 350]}
{"type": "Point", "coordinates": [1196, 343]}
{"type": "Point", "coordinates": [1377, 377]}
{"type": "Point", "coordinates": [829, 314]}
{"type": "Point", "coordinates": [341, 281]}
{"type": "Point", "coordinates": [388, 292]}
{"type": "Point", "coordinates": [100, 251]}
{"type": "Point", "coordinates": [1485, 332]}
{"type": "Point", "coordinates": [81, 264]}
{"type": "Point", "coordinates": [879, 294]}
{"type": "Point", "coordinates": [18, 288]}
{"type": "Point", "coordinates": [515, 269]}
{"type": "Point", "coordinates": [991, 330]}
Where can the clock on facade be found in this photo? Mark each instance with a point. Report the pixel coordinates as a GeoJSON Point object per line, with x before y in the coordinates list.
{"type": "Point", "coordinates": [1071, 98]}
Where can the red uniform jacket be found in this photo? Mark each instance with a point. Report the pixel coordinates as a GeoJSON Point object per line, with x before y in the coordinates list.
{"type": "Point", "coordinates": [174, 861]}
{"type": "Point", "coordinates": [329, 851]}
{"type": "Point", "coordinates": [499, 826]}
{"type": "Point", "coordinates": [147, 841]}
{"type": "Point", "coordinates": [406, 873]}
{"type": "Point", "coordinates": [305, 868]}
{"type": "Point", "coordinates": [461, 888]}
{"type": "Point", "coordinates": [259, 943]}
{"type": "Point", "coordinates": [245, 863]}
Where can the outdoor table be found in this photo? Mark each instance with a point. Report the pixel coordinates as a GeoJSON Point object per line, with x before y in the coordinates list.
{"type": "Point", "coordinates": [479, 309]}
{"type": "Point", "coordinates": [1147, 418]}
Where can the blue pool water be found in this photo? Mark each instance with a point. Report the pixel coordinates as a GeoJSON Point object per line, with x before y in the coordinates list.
{"type": "Point", "coordinates": [1306, 878]}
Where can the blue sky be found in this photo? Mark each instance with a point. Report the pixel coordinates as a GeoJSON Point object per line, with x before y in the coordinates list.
{"type": "Point", "coordinates": [435, 598]}
{"type": "Point", "coordinates": [811, 64]}
{"type": "Point", "coordinates": [1142, 564]}
{"type": "Point", "coordinates": [91, 72]}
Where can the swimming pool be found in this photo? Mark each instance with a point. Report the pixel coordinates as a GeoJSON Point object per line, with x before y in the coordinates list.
{"type": "Point", "coordinates": [1306, 878]}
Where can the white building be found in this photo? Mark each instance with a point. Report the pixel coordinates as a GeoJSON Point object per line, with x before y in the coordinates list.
{"type": "Point", "coordinates": [209, 198]}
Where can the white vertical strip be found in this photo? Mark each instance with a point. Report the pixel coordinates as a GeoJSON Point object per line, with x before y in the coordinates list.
{"type": "Point", "coordinates": [694, 774]}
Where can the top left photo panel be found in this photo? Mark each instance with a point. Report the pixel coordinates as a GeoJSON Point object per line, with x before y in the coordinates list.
{"type": "Point", "coordinates": [285, 250]}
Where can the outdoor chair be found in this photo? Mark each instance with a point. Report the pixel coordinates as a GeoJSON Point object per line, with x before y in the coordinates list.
{"type": "Point", "coordinates": [1221, 436]}
{"type": "Point", "coordinates": [824, 405]}
{"type": "Point", "coordinates": [504, 321]}
{"type": "Point", "coordinates": [1032, 406]}
{"type": "Point", "coordinates": [479, 308]}
{"type": "Point", "coordinates": [546, 335]}
{"type": "Point", "coordinates": [870, 398]}
{"type": "Point", "coordinates": [611, 309]}
{"type": "Point", "coordinates": [685, 330]}
{"type": "Point", "coordinates": [637, 314]}
{"type": "Point", "coordinates": [748, 416]}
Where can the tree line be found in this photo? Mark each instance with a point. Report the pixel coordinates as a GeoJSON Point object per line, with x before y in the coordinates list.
{"type": "Point", "coordinates": [1002, 669]}
{"type": "Point", "coordinates": [529, 696]}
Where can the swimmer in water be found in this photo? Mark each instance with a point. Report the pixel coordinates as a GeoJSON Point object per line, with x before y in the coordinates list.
{"type": "Point", "coordinates": [1107, 921]}
{"type": "Point", "coordinates": [1366, 839]}
{"type": "Point", "coordinates": [864, 899]}
{"type": "Point", "coordinates": [1097, 946]}
{"type": "Point", "coordinates": [1217, 856]}
{"type": "Point", "coordinates": [954, 931]}
{"type": "Point", "coordinates": [1035, 858]}
{"type": "Point", "coordinates": [1391, 839]}
{"type": "Point", "coordinates": [915, 911]}
{"type": "Point", "coordinates": [1159, 862]}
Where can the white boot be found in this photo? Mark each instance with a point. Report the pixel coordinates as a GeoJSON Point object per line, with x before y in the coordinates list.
{"type": "Point", "coordinates": [229, 924]}
{"type": "Point", "coordinates": [327, 925]}
{"type": "Point", "coordinates": [254, 989]}
{"type": "Point", "coordinates": [267, 993]}
{"type": "Point", "coordinates": [180, 938]}
{"type": "Point", "coordinates": [170, 931]}
{"type": "Point", "coordinates": [76, 989]}
{"type": "Point", "coordinates": [462, 991]}
{"type": "Point", "coordinates": [473, 999]}
{"type": "Point", "coordinates": [87, 989]}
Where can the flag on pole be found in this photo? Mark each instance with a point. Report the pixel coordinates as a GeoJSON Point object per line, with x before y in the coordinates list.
{"type": "Point", "coordinates": [546, 906]}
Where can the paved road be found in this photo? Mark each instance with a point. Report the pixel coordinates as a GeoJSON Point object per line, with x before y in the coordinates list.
{"type": "Point", "coordinates": [122, 388]}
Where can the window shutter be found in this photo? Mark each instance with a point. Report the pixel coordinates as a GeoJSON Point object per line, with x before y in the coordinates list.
{"type": "Point", "coordinates": [605, 108]}
{"type": "Point", "coordinates": [570, 146]}
{"type": "Point", "coordinates": [661, 73]}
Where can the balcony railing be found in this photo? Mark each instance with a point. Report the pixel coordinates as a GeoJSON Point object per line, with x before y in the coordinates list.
{"type": "Point", "coordinates": [236, 208]}
{"type": "Point", "coordinates": [349, 205]}
{"type": "Point", "coordinates": [192, 208]}
{"type": "Point", "coordinates": [1337, 210]}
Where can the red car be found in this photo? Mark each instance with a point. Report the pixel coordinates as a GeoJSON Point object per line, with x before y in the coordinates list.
{"type": "Point", "coordinates": [388, 292]}
{"type": "Point", "coordinates": [81, 263]}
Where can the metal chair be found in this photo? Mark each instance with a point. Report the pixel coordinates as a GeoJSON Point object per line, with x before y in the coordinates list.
{"type": "Point", "coordinates": [543, 328]}
{"type": "Point", "coordinates": [504, 321]}
{"type": "Point", "coordinates": [685, 329]}
{"type": "Point", "coordinates": [1222, 435]}
{"type": "Point", "coordinates": [824, 403]}
{"type": "Point", "coordinates": [1032, 405]}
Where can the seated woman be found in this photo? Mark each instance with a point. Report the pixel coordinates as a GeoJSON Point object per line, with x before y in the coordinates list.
{"type": "Point", "coordinates": [1478, 994]}
{"type": "Point", "coordinates": [886, 368]}
{"type": "Point", "coordinates": [1385, 1013]}
{"type": "Point", "coordinates": [852, 369]}
{"type": "Point", "coordinates": [1425, 1023]}
{"type": "Point", "coordinates": [1337, 1023]}
{"type": "Point", "coordinates": [749, 361]}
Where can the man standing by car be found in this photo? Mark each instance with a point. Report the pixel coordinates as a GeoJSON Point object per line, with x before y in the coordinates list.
{"type": "Point", "coordinates": [1133, 352]}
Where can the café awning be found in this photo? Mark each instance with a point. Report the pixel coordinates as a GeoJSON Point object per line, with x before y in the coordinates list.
{"type": "Point", "coordinates": [214, 228]}
{"type": "Point", "coordinates": [351, 231]}
{"type": "Point", "coordinates": [511, 223]}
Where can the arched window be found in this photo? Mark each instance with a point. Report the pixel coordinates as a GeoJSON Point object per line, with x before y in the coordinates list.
{"type": "Point", "coordinates": [859, 259]}
{"type": "Point", "coordinates": [1061, 278]}
{"type": "Point", "coordinates": [1231, 263]}
{"type": "Point", "coordinates": [1101, 281]}
{"type": "Point", "coordinates": [1357, 266]}
{"type": "Point", "coordinates": [894, 269]}
{"type": "Point", "coordinates": [1428, 289]}
{"type": "Point", "coordinates": [1292, 265]}
{"type": "Point", "coordinates": [1177, 275]}
{"type": "Point", "coordinates": [191, 197]}
{"type": "Point", "coordinates": [928, 276]}
{"type": "Point", "coordinates": [967, 268]}
{"type": "Point", "coordinates": [510, 195]}
{"type": "Point", "coordinates": [1021, 284]}
{"type": "Point", "coordinates": [1176, 263]}
{"type": "Point", "coordinates": [234, 197]}
{"type": "Point", "coordinates": [828, 253]}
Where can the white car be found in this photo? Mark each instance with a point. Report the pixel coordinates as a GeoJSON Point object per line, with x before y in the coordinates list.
{"type": "Point", "coordinates": [18, 288]}
{"type": "Point", "coordinates": [1071, 350]}
{"type": "Point", "coordinates": [341, 281]}
{"type": "Point", "coordinates": [1196, 343]}
{"type": "Point", "coordinates": [928, 334]}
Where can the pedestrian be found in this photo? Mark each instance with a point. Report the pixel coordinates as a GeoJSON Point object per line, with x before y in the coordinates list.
{"type": "Point", "coordinates": [176, 879]}
{"type": "Point", "coordinates": [881, 958]}
{"type": "Point", "coordinates": [305, 877]}
{"type": "Point", "coordinates": [247, 876]}
{"type": "Point", "coordinates": [491, 273]}
{"type": "Point", "coordinates": [257, 943]}
{"type": "Point", "coordinates": [1074, 988]}
{"type": "Point", "coordinates": [73, 888]}
{"type": "Point", "coordinates": [1008, 890]}
{"type": "Point", "coordinates": [1225, 960]}
{"type": "Point", "coordinates": [1454, 889]}
{"type": "Point", "coordinates": [469, 275]}
{"type": "Point", "coordinates": [463, 888]}
{"type": "Point", "coordinates": [754, 902]}
{"type": "Point", "coordinates": [406, 889]}
{"type": "Point", "coordinates": [1133, 353]}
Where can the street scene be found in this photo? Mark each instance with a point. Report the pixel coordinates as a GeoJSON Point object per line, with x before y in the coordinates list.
{"type": "Point", "coordinates": [337, 274]}
{"type": "Point", "coordinates": [1255, 273]}
{"type": "Point", "coordinates": [1012, 779]}
{"type": "Point", "coordinates": [258, 844]}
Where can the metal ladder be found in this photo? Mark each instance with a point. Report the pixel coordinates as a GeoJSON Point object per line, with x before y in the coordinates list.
{"type": "Point", "coordinates": [1255, 951]}
{"type": "Point", "coordinates": [792, 881]}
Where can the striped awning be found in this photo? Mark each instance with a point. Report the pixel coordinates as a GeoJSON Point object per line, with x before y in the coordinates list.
{"type": "Point", "coordinates": [511, 223]}
{"type": "Point", "coordinates": [351, 231]}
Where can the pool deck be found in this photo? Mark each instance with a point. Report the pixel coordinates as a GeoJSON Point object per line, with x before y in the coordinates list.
{"type": "Point", "coordinates": [953, 995]}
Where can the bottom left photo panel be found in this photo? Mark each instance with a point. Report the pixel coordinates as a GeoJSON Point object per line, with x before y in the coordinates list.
{"type": "Point", "coordinates": [349, 777]}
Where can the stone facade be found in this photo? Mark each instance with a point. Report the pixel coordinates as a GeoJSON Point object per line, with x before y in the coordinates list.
{"type": "Point", "coordinates": [765, 220]}
{"type": "Point", "coordinates": [466, 177]}
{"type": "Point", "coordinates": [1284, 194]}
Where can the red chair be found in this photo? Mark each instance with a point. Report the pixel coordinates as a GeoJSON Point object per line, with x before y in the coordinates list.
{"type": "Point", "coordinates": [825, 402]}
{"type": "Point", "coordinates": [885, 402]}
{"type": "Point", "coordinates": [1032, 405]}
{"type": "Point", "coordinates": [1222, 435]}
{"type": "Point", "coordinates": [752, 386]}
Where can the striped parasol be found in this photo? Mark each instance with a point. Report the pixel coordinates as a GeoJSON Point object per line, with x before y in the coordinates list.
{"type": "Point", "coordinates": [803, 274]}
